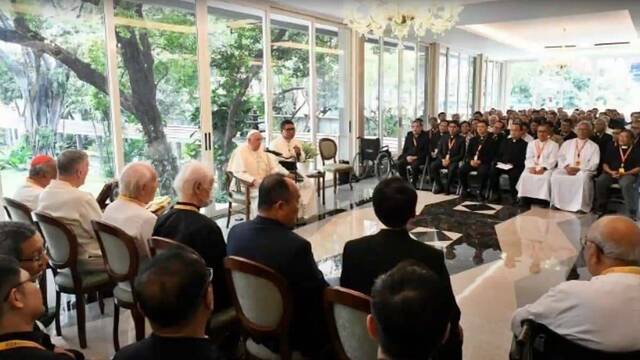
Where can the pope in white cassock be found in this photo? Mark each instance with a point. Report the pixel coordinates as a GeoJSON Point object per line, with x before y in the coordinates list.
{"type": "Point", "coordinates": [571, 183]}
{"type": "Point", "coordinates": [542, 157]}
{"type": "Point", "coordinates": [251, 163]}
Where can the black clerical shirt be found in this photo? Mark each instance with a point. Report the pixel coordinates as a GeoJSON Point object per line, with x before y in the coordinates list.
{"type": "Point", "coordinates": [484, 147]}
{"type": "Point", "coordinates": [169, 348]}
{"type": "Point", "coordinates": [456, 153]}
{"type": "Point", "coordinates": [416, 146]}
{"type": "Point", "coordinates": [613, 159]}
{"type": "Point", "coordinates": [513, 152]}
{"type": "Point", "coordinates": [186, 225]}
{"type": "Point", "coordinates": [434, 140]}
{"type": "Point", "coordinates": [34, 353]}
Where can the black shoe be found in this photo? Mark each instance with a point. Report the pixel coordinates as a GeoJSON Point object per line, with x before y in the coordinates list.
{"type": "Point", "coordinates": [467, 194]}
{"type": "Point", "coordinates": [480, 197]}
{"type": "Point", "coordinates": [437, 190]}
{"type": "Point", "coordinates": [447, 191]}
{"type": "Point", "coordinates": [496, 197]}
{"type": "Point", "coordinates": [522, 202]}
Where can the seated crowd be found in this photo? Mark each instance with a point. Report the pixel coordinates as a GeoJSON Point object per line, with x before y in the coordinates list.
{"type": "Point", "coordinates": [414, 314]}
{"type": "Point", "coordinates": [568, 161]}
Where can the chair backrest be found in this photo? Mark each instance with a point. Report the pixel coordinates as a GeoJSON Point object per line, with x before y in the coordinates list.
{"type": "Point", "coordinates": [328, 149]}
{"type": "Point", "coordinates": [261, 298]}
{"type": "Point", "coordinates": [62, 243]}
{"type": "Point", "coordinates": [347, 312]}
{"type": "Point", "coordinates": [119, 251]}
{"type": "Point", "coordinates": [159, 244]}
{"type": "Point", "coordinates": [17, 211]}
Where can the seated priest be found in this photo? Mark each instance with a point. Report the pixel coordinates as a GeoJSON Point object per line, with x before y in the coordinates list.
{"type": "Point", "coordinates": [138, 184]}
{"type": "Point", "coordinates": [41, 171]}
{"type": "Point", "coordinates": [185, 224]}
{"type": "Point", "coordinates": [64, 200]}
{"type": "Point", "coordinates": [449, 154]}
{"type": "Point", "coordinates": [414, 152]}
{"type": "Point", "coordinates": [566, 130]}
{"type": "Point", "coordinates": [250, 163]}
{"type": "Point", "coordinates": [542, 157]}
{"type": "Point", "coordinates": [509, 161]}
{"type": "Point", "coordinates": [621, 164]}
{"type": "Point", "coordinates": [435, 135]}
{"type": "Point", "coordinates": [600, 135]}
{"type": "Point", "coordinates": [571, 182]}
{"type": "Point", "coordinates": [479, 157]}
{"type": "Point", "coordinates": [288, 146]}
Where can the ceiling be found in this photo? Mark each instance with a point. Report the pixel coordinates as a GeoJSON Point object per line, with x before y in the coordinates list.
{"type": "Point", "coordinates": [521, 29]}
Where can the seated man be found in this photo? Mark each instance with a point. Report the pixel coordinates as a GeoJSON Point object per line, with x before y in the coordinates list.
{"type": "Point", "coordinates": [601, 137]}
{"type": "Point", "coordinates": [410, 309]}
{"type": "Point", "coordinates": [414, 152]}
{"type": "Point", "coordinates": [449, 154]}
{"type": "Point", "coordinates": [435, 135]}
{"type": "Point", "coordinates": [621, 165]}
{"type": "Point", "coordinates": [75, 208]}
{"type": "Point", "coordinates": [138, 184]}
{"type": "Point", "coordinates": [20, 308]}
{"type": "Point", "coordinates": [268, 240]}
{"type": "Point", "coordinates": [479, 157]}
{"type": "Point", "coordinates": [590, 313]}
{"type": "Point", "coordinates": [510, 161]}
{"type": "Point", "coordinates": [364, 259]}
{"type": "Point", "coordinates": [41, 171]}
{"type": "Point", "coordinates": [498, 134]}
{"type": "Point", "coordinates": [185, 224]}
{"type": "Point", "coordinates": [288, 146]}
{"type": "Point", "coordinates": [566, 130]}
{"type": "Point", "coordinates": [174, 292]}
{"type": "Point", "coordinates": [542, 157]}
{"type": "Point", "coordinates": [571, 182]}
{"type": "Point", "coordinates": [23, 243]}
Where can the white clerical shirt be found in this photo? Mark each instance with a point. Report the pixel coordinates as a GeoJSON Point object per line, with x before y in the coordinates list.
{"type": "Point", "coordinates": [134, 219]}
{"type": "Point", "coordinates": [28, 194]}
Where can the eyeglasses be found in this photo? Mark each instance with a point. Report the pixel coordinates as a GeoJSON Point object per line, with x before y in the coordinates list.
{"type": "Point", "coordinates": [37, 257]}
{"type": "Point", "coordinates": [30, 279]}
{"type": "Point", "coordinates": [290, 129]}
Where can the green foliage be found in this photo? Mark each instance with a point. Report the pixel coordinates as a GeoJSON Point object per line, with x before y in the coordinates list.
{"type": "Point", "coordinates": [9, 90]}
{"type": "Point", "coordinates": [18, 156]}
{"type": "Point", "coordinates": [309, 150]}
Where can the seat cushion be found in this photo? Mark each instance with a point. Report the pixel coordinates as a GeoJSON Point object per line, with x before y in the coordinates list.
{"type": "Point", "coordinates": [338, 167]}
{"type": "Point", "coordinates": [64, 281]}
{"type": "Point", "coordinates": [222, 319]}
{"type": "Point", "coordinates": [123, 292]}
{"type": "Point", "coordinates": [237, 197]}
{"type": "Point", "coordinates": [262, 352]}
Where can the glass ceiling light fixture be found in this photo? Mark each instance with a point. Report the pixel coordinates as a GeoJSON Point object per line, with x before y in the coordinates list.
{"type": "Point", "coordinates": [400, 17]}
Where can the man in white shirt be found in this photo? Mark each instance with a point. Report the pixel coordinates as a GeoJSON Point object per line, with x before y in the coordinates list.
{"type": "Point", "coordinates": [41, 171]}
{"type": "Point", "coordinates": [542, 157]}
{"type": "Point", "coordinates": [601, 313]}
{"type": "Point", "coordinates": [138, 184]}
{"type": "Point", "coordinates": [288, 146]}
{"type": "Point", "coordinates": [63, 200]}
{"type": "Point", "coordinates": [571, 182]}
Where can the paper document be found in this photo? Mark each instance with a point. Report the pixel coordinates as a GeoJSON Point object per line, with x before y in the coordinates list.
{"type": "Point", "coordinates": [504, 166]}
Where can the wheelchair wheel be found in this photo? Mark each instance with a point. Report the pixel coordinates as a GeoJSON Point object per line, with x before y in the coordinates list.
{"type": "Point", "coordinates": [383, 166]}
{"type": "Point", "coordinates": [361, 168]}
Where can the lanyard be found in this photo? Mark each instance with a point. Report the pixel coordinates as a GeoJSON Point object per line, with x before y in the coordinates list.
{"type": "Point", "coordinates": [539, 150]}
{"type": "Point", "coordinates": [451, 143]}
{"type": "Point", "coordinates": [623, 157]}
{"type": "Point", "coordinates": [415, 143]}
{"type": "Point", "coordinates": [186, 206]}
{"type": "Point", "coordinates": [479, 148]}
{"type": "Point", "coordinates": [635, 270]}
{"type": "Point", "coordinates": [12, 344]}
{"type": "Point", "coordinates": [579, 150]}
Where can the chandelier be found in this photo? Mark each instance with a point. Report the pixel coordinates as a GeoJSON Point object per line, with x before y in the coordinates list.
{"type": "Point", "coordinates": [400, 17]}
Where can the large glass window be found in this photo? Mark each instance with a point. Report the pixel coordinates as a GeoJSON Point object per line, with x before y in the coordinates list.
{"type": "Point", "coordinates": [53, 88]}
{"type": "Point", "coordinates": [330, 72]}
{"type": "Point", "coordinates": [442, 83]}
{"type": "Point", "coordinates": [390, 88]}
{"type": "Point", "coordinates": [463, 90]}
{"type": "Point", "coordinates": [452, 88]}
{"type": "Point", "coordinates": [371, 86]}
{"type": "Point", "coordinates": [421, 83]}
{"type": "Point", "coordinates": [408, 88]}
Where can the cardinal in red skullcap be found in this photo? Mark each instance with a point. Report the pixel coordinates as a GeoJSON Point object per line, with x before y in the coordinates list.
{"type": "Point", "coordinates": [41, 171]}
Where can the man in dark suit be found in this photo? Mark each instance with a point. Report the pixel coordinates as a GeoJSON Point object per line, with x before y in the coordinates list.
{"type": "Point", "coordinates": [364, 259]}
{"type": "Point", "coordinates": [414, 152]}
{"type": "Point", "coordinates": [512, 153]}
{"type": "Point", "coordinates": [435, 134]}
{"type": "Point", "coordinates": [479, 157]}
{"type": "Point", "coordinates": [268, 240]}
{"type": "Point", "coordinates": [450, 152]}
{"type": "Point", "coordinates": [601, 137]}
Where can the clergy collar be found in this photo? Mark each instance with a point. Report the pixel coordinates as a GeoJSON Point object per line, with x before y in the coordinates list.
{"type": "Point", "coordinates": [186, 206]}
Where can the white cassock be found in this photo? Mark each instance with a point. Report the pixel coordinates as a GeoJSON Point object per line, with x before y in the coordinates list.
{"type": "Point", "coordinates": [28, 194]}
{"type": "Point", "coordinates": [575, 193]}
{"type": "Point", "coordinates": [527, 137]}
{"type": "Point", "coordinates": [286, 148]}
{"type": "Point", "coordinates": [250, 165]}
{"type": "Point", "coordinates": [542, 155]}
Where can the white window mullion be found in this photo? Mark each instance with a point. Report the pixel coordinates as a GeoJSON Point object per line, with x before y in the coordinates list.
{"type": "Point", "coordinates": [114, 87]}
{"type": "Point", "coordinates": [204, 83]}
{"type": "Point", "coordinates": [268, 83]}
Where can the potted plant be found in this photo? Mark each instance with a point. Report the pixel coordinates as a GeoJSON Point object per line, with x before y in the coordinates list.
{"type": "Point", "coordinates": [310, 154]}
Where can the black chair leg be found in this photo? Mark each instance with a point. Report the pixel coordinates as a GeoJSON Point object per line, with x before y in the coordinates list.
{"type": "Point", "coordinates": [116, 322]}
{"type": "Point", "coordinates": [42, 282]}
{"type": "Point", "coordinates": [101, 302]}
{"type": "Point", "coordinates": [229, 215]}
{"type": "Point", "coordinates": [57, 319]}
{"type": "Point", "coordinates": [138, 320]}
{"type": "Point", "coordinates": [80, 312]}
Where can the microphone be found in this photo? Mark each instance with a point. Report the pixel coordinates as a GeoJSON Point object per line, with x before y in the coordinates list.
{"type": "Point", "coordinates": [273, 152]}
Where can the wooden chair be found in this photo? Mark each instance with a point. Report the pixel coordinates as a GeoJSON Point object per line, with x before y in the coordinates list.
{"type": "Point", "coordinates": [121, 258]}
{"type": "Point", "coordinates": [262, 301]}
{"type": "Point", "coordinates": [347, 312]}
{"type": "Point", "coordinates": [159, 244]}
{"type": "Point", "coordinates": [62, 248]}
{"type": "Point", "coordinates": [238, 192]}
{"type": "Point", "coordinates": [328, 152]}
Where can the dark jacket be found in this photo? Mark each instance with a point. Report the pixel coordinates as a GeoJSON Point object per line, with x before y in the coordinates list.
{"type": "Point", "coordinates": [272, 244]}
{"type": "Point", "coordinates": [513, 152]}
{"type": "Point", "coordinates": [160, 348]}
{"type": "Point", "coordinates": [32, 353]}
{"type": "Point", "coordinates": [486, 153]}
{"type": "Point", "coordinates": [603, 142]}
{"type": "Point", "coordinates": [434, 139]}
{"type": "Point", "coordinates": [457, 150]}
{"type": "Point", "coordinates": [419, 149]}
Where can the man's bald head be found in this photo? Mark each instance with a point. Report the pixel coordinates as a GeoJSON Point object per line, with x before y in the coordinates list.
{"type": "Point", "coordinates": [139, 181]}
{"type": "Point", "coordinates": [617, 239]}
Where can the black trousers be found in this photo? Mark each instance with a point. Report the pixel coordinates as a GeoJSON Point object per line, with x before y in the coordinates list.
{"type": "Point", "coordinates": [415, 167]}
{"type": "Point", "coordinates": [483, 174]}
{"type": "Point", "coordinates": [435, 168]}
{"type": "Point", "coordinates": [514, 175]}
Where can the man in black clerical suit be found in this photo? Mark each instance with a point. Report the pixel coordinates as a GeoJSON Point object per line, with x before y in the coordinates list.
{"type": "Point", "coordinates": [185, 224]}
{"type": "Point", "coordinates": [450, 153]}
{"type": "Point", "coordinates": [435, 135]}
{"type": "Point", "coordinates": [601, 138]}
{"type": "Point", "coordinates": [21, 306]}
{"type": "Point", "coordinates": [414, 152]}
{"type": "Point", "coordinates": [479, 158]}
{"type": "Point", "coordinates": [364, 259]}
{"type": "Point", "coordinates": [269, 240]}
{"type": "Point", "coordinates": [499, 133]}
{"type": "Point", "coordinates": [566, 130]}
{"type": "Point", "coordinates": [512, 153]}
{"type": "Point", "coordinates": [621, 165]}
{"type": "Point", "coordinates": [174, 292]}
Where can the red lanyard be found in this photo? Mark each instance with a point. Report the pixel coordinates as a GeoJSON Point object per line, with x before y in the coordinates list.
{"type": "Point", "coordinates": [579, 150]}
{"type": "Point", "coordinates": [623, 157]}
{"type": "Point", "coordinates": [479, 148]}
{"type": "Point", "coordinates": [539, 150]}
{"type": "Point", "coordinates": [451, 142]}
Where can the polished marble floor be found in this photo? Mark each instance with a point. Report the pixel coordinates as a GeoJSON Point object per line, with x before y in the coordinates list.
{"type": "Point", "coordinates": [500, 257]}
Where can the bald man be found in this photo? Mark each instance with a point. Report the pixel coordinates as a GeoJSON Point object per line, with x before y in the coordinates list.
{"type": "Point", "coordinates": [138, 184]}
{"type": "Point", "coordinates": [41, 171]}
{"type": "Point", "coordinates": [601, 313]}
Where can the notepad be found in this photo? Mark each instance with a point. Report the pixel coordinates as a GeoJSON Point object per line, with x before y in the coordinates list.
{"type": "Point", "coordinates": [504, 166]}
